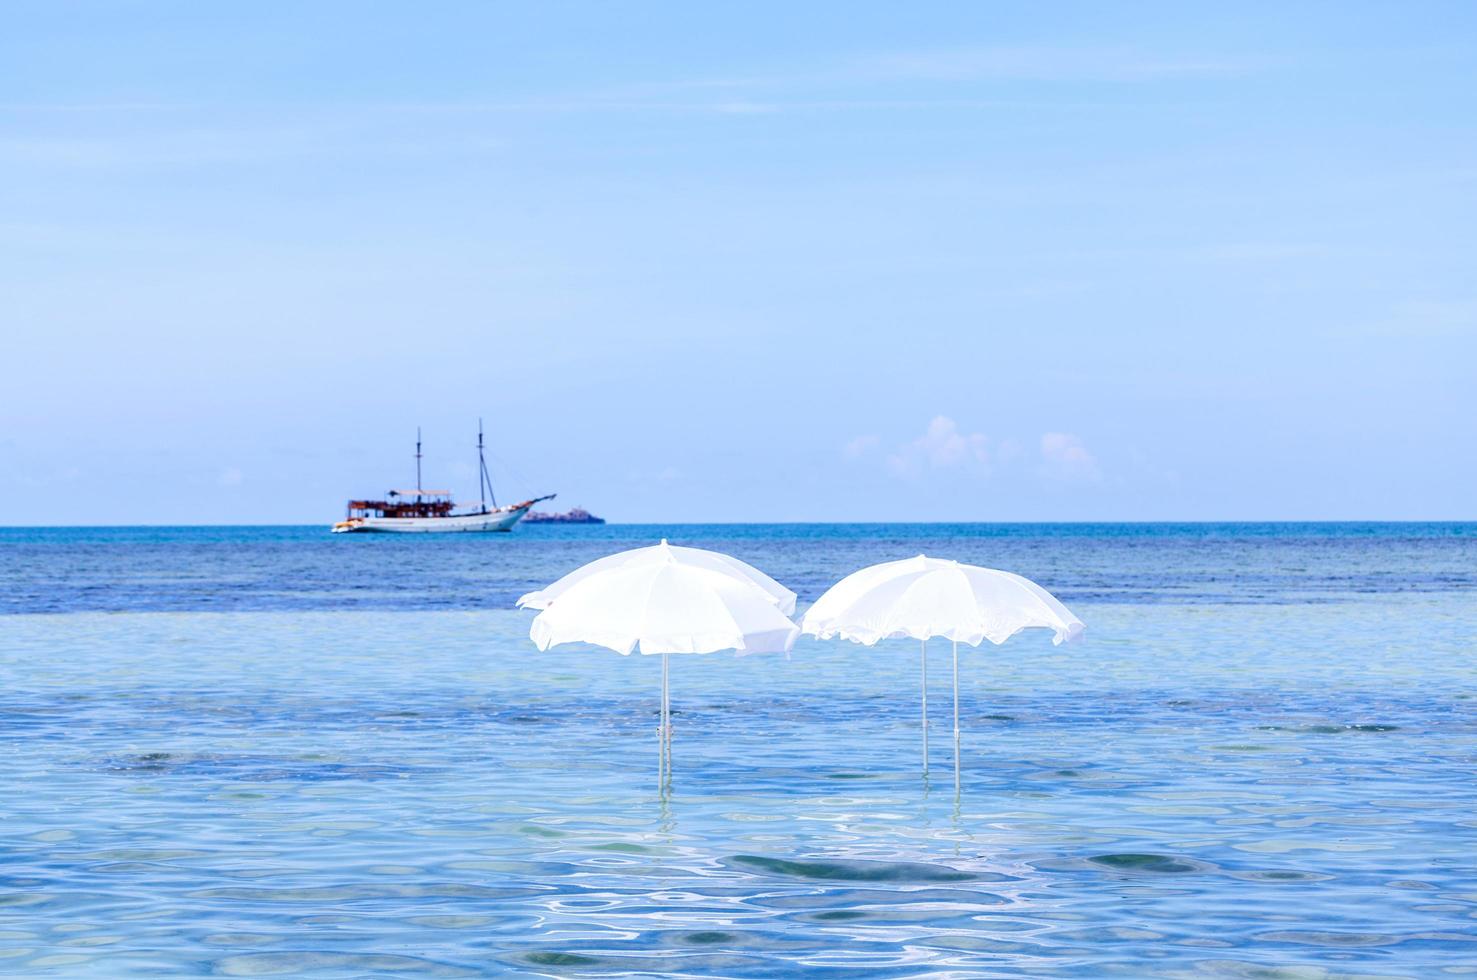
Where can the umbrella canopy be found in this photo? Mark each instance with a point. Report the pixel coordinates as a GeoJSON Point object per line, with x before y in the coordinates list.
{"type": "Point", "coordinates": [663, 554]}
{"type": "Point", "coordinates": [660, 600]}
{"type": "Point", "coordinates": [665, 607]}
{"type": "Point", "coordinates": [926, 597]}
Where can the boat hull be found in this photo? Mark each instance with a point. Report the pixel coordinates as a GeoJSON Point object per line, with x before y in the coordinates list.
{"type": "Point", "coordinates": [498, 520]}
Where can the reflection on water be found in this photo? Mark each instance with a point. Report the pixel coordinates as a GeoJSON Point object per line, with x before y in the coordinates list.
{"type": "Point", "coordinates": [1246, 790]}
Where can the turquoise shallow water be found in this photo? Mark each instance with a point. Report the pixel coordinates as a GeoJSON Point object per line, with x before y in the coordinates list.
{"type": "Point", "coordinates": [1278, 781]}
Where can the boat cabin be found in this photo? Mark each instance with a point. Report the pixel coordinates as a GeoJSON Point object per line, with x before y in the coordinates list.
{"type": "Point", "coordinates": [404, 503]}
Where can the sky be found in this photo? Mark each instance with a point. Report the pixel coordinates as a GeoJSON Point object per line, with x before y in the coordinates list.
{"type": "Point", "coordinates": [748, 262]}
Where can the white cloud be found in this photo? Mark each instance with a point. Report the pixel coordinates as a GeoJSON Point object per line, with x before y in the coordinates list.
{"type": "Point", "coordinates": [942, 446]}
{"type": "Point", "coordinates": [860, 446]}
{"type": "Point", "coordinates": [1066, 458]}
{"type": "Point", "coordinates": [230, 477]}
{"type": "Point", "coordinates": [1007, 450]}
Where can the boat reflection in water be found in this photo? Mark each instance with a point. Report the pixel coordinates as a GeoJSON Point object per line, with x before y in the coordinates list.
{"type": "Point", "coordinates": [421, 510]}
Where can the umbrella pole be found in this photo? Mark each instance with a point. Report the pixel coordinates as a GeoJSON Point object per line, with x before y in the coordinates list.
{"type": "Point", "coordinates": [661, 739]}
{"type": "Point", "coordinates": [956, 717]}
{"type": "Point", "coordinates": [666, 722]}
{"type": "Point", "coordinates": [925, 706]}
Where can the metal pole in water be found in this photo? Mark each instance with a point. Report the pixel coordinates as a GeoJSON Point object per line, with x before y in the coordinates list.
{"type": "Point", "coordinates": [925, 706]}
{"type": "Point", "coordinates": [956, 718]}
{"type": "Point", "coordinates": [660, 738]}
{"type": "Point", "coordinates": [666, 722]}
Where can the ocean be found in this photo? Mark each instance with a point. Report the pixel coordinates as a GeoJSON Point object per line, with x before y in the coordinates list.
{"type": "Point", "coordinates": [275, 751]}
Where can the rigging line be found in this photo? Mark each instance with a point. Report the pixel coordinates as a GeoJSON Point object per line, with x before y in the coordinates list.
{"type": "Point", "coordinates": [518, 476]}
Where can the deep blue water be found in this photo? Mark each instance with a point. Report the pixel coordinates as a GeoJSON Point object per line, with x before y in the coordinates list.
{"type": "Point", "coordinates": [299, 568]}
{"type": "Point", "coordinates": [270, 751]}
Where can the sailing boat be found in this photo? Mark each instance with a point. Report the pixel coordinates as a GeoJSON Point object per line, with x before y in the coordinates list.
{"type": "Point", "coordinates": [422, 510]}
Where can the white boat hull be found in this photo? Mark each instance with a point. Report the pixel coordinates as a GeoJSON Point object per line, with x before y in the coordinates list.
{"type": "Point", "coordinates": [497, 520]}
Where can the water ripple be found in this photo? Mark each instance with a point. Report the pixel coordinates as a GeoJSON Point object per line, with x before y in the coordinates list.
{"type": "Point", "coordinates": [1256, 790]}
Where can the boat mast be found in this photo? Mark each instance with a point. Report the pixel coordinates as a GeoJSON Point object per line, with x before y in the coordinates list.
{"type": "Point", "coordinates": [484, 482]}
{"type": "Point", "coordinates": [417, 462]}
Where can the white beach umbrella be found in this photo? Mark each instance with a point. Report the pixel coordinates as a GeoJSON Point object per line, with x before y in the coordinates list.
{"type": "Point", "coordinates": [926, 597]}
{"type": "Point", "coordinates": [661, 554]}
{"type": "Point", "coordinates": [667, 606]}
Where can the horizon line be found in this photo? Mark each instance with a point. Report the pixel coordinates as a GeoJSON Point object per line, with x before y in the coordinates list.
{"type": "Point", "coordinates": [894, 523]}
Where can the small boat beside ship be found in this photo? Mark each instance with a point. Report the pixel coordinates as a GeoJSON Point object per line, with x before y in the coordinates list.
{"type": "Point", "coordinates": [421, 510]}
{"type": "Point", "coordinates": [575, 515]}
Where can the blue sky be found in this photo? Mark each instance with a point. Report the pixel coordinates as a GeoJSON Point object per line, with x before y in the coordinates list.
{"type": "Point", "coordinates": [753, 262]}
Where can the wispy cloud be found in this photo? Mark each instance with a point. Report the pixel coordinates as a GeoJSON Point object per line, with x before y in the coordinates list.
{"type": "Point", "coordinates": [941, 446]}
{"type": "Point", "coordinates": [1427, 319]}
{"type": "Point", "coordinates": [953, 65]}
{"type": "Point", "coordinates": [165, 145]}
{"type": "Point", "coordinates": [956, 77]}
{"type": "Point", "coordinates": [193, 133]}
{"type": "Point", "coordinates": [861, 447]}
{"type": "Point", "coordinates": [1055, 64]}
{"type": "Point", "coordinates": [159, 146]}
{"type": "Point", "coordinates": [1064, 457]}
{"type": "Point", "coordinates": [667, 474]}
{"type": "Point", "coordinates": [1260, 251]}
{"type": "Point", "coordinates": [868, 80]}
